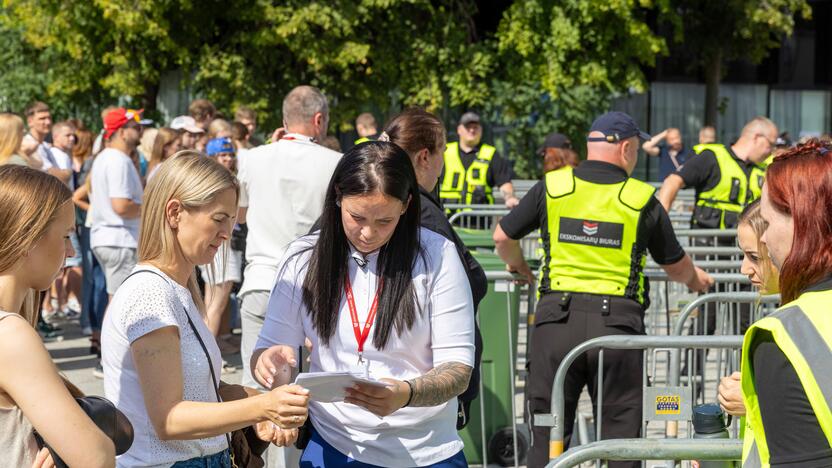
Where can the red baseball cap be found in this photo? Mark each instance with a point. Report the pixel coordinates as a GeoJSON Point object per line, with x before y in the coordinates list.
{"type": "Point", "coordinates": [116, 118]}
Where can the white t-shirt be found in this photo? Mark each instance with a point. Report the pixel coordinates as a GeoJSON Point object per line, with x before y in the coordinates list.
{"type": "Point", "coordinates": [153, 172]}
{"type": "Point", "coordinates": [283, 185]}
{"type": "Point", "coordinates": [44, 152]}
{"type": "Point", "coordinates": [63, 161]}
{"type": "Point", "coordinates": [442, 332]}
{"type": "Point", "coordinates": [227, 267]}
{"type": "Point", "coordinates": [113, 176]}
{"type": "Point", "coordinates": [145, 303]}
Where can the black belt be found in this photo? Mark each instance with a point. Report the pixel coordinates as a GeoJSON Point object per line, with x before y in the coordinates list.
{"type": "Point", "coordinates": [600, 302]}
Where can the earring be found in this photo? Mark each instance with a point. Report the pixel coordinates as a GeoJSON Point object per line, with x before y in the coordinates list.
{"type": "Point", "coordinates": [338, 203]}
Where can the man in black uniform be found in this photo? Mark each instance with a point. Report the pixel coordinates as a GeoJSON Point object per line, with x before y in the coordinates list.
{"type": "Point", "coordinates": [726, 179]}
{"type": "Point", "coordinates": [473, 168]}
{"type": "Point", "coordinates": [597, 225]}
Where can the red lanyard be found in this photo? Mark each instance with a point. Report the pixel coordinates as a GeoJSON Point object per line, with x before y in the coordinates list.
{"type": "Point", "coordinates": [296, 137]}
{"type": "Point", "coordinates": [361, 335]}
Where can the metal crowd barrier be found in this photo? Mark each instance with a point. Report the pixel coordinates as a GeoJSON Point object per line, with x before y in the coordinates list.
{"type": "Point", "coordinates": [698, 232]}
{"type": "Point", "coordinates": [475, 216]}
{"type": "Point", "coordinates": [728, 321]}
{"type": "Point", "coordinates": [650, 449]}
{"type": "Point", "coordinates": [726, 300]}
{"type": "Point", "coordinates": [706, 237]}
{"type": "Point", "coordinates": [679, 395]}
{"type": "Point", "coordinates": [736, 278]}
{"type": "Point", "coordinates": [667, 297]}
{"type": "Point", "coordinates": [715, 266]}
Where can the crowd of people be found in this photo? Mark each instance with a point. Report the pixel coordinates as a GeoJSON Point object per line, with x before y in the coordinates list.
{"type": "Point", "coordinates": [150, 237]}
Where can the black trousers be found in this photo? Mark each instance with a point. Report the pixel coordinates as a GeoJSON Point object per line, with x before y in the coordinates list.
{"type": "Point", "coordinates": [562, 322]}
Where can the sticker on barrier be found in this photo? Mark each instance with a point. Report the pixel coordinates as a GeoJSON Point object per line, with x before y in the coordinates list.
{"type": "Point", "coordinates": [667, 403]}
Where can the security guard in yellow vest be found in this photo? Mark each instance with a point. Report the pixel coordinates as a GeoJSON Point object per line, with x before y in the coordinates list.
{"type": "Point", "coordinates": [786, 374]}
{"type": "Point", "coordinates": [597, 224]}
{"type": "Point", "coordinates": [366, 127]}
{"type": "Point", "coordinates": [473, 168]}
{"type": "Point", "coordinates": [726, 178]}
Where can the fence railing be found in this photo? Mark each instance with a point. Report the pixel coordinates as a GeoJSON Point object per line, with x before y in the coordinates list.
{"type": "Point", "coordinates": [650, 449]}
{"type": "Point", "coordinates": [555, 419]}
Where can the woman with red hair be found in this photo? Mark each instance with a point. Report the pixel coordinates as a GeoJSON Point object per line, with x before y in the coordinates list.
{"type": "Point", "coordinates": [787, 357]}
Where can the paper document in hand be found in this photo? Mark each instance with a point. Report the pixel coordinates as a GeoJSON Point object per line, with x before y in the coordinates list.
{"type": "Point", "coordinates": [328, 387]}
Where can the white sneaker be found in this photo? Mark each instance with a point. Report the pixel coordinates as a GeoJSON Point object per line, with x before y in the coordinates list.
{"type": "Point", "coordinates": [98, 372]}
{"type": "Point", "coordinates": [70, 314]}
{"type": "Point", "coordinates": [73, 305]}
{"type": "Point", "coordinates": [227, 368]}
{"type": "Point", "coordinates": [50, 317]}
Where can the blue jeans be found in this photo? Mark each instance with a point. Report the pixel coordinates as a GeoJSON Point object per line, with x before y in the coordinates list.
{"type": "Point", "coordinates": [217, 460]}
{"type": "Point", "coordinates": [319, 454]}
{"type": "Point", "coordinates": [93, 286]}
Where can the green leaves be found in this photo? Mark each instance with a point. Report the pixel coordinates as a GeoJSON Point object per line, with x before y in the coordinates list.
{"type": "Point", "coordinates": [539, 66]}
{"type": "Point", "coordinates": [579, 43]}
{"type": "Point", "coordinates": [745, 29]}
{"type": "Point", "coordinates": [563, 61]}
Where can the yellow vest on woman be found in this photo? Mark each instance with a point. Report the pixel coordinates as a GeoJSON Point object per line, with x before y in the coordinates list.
{"type": "Point", "coordinates": [802, 329]}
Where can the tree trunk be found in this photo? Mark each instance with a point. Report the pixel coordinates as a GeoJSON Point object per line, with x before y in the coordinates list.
{"type": "Point", "coordinates": [148, 98]}
{"type": "Point", "coordinates": [713, 75]}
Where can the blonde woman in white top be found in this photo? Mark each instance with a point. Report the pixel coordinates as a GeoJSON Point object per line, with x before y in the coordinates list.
{"type": "Point", "coordinates": [36, 218]}
{"type": "Point", "coordinates": [160, 360]}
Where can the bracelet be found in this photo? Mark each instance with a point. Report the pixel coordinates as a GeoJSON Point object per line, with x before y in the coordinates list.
{"type": "Point", "coordinates": [410, 397]}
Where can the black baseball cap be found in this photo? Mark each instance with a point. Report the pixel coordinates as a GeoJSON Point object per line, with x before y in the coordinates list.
{"type": "Point", "coordinates": [616, 126]}
{"type": "Point", "coordinates": [469, 117]}
{"type": "Point", "coordinates": [555, 140]}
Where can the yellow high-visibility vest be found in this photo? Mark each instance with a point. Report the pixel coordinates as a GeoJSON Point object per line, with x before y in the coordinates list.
{"type": "Point", "coordinates": [593, 229]}
{"type": "Point", "coordinates": [459, 184]}
{"type": "Point", "coordinates": [735, 189]}
{"type": "Point", "coordinates": [802, 329]}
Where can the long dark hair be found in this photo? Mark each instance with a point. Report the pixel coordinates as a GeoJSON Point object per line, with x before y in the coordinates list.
{"type": "Point", "coordinates": [365, 169]}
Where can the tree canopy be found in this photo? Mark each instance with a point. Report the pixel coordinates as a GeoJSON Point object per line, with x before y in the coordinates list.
{"type": "Point", "coordinates": [716, 33]}
{"type": "Point", "coordinates": [544, 65]}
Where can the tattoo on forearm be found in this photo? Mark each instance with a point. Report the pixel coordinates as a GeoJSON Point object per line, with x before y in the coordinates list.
{"type": "Point", "coordinates": [440, 384]}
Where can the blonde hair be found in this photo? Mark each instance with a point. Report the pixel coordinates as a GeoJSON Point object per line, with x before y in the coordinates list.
{"type": "Point", "coordinates": [147, 141]}
{"type": "Point", "coordinates": [164, 137]}
{"type": "Point", "coordinates": [194, 180]}
{"type": "Point", "coordinates": [218, 126]}
{"type": "Point", "coordinates": [11, 135]}
{"type": "Point", "coordinates": [29, 203]}
{"type": "Point", "coordinates": [245, 113]}
{"type": "Point", "coordinates": [752, 218]}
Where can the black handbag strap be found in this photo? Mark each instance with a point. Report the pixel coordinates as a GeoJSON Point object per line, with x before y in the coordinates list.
{"type": "Point", "coordinates": [204, 350]}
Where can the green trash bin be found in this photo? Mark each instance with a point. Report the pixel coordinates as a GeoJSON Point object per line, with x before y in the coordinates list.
{"type": "Point", "coordinates": [497, 317]}
{"type": "Point", "coordinates": [477, 240]}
